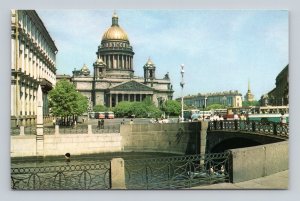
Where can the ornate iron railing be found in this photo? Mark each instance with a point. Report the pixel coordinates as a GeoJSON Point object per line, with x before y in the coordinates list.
{"type": "Point", "coordinates": [257, 127]}
{"type": "Point", "coordinates": [68, 177]}
{"type": "Point", "coordinates": [49, 131]}
{"type": "Point", "coordinates": [15, 131]}
{"type": "Point", "coordinates": [177, 172]}
{"type": "Point", "coordinates": [30, 130]}
{"type": "Point", "coordinates": [106, 129]}
{"type": "Point", "coordinates": [72, 130]}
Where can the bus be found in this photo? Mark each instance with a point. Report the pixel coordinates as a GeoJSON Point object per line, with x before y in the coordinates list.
{"type": "Point", "coordinates": [269, 113]}
{"type": "Point", "coordinates": [187, 114]}
{"type": "Point", "coordinates": [196, 114]}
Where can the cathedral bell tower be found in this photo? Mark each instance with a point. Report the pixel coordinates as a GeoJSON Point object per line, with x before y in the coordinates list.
{"type": "Point", "coordinates": [99, 69]}
{"type": "Point", "coordinates": [149, 71]}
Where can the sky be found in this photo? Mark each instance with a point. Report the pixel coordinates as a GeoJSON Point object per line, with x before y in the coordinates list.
{"type": "Point", "coordinates": [220, 49]}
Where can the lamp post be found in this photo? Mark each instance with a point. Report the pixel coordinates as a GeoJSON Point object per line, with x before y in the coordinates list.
{"type": "Point", "coordinates": [203, 106]}
{"type": "Point", "coordinates": [182, 84]}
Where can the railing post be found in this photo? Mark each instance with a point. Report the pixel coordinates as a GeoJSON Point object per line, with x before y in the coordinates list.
{"type": "Point", "coordinates": [22, 130]}
{"type": "Point", "coordinates": [90, 132]}
{"type": "Point", "coordinates": [117, 172]}
{"type": "Point", "coordinates": [235, 124]}
{"type": "Point", "coordinates": [56, 130]}
{"type": "Point", "coordinates": [274, 128]}
{"type": "Point", "coordinates": [253, 126]}
{"type": "Point", "coordinates": [203, 134]}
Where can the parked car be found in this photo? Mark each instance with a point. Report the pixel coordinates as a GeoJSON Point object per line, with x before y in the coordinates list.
{"type": "Point", "coordinates": [109, 115]}
{"type": "Point", "coordinates": [101, 115]}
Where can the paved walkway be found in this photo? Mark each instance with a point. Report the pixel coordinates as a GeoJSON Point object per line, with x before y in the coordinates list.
{"type": "Point", "coordinates": [275, 181]}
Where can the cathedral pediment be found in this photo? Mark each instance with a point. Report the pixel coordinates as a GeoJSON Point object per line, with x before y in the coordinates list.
{"type": "Point", "coordinates": [131, 86]}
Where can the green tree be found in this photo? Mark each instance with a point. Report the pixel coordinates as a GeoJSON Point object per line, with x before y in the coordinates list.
{"type": "Point", "coordinates": [172, 107]}
{"type": "Point", "coordinates": [215, 106]}
{"type": "Point", "coordinates": [250, 103]}
{"type": "Point", "coordinates": [138, 109]}
{"type": "Point", "coordinates": [81, 104]}
{"type": "Point", "coordinates": [65, 101]}
{"type": "Point", "coordinates": [123, 109]}
{"type": "Point", "coordinates": [99, 108]}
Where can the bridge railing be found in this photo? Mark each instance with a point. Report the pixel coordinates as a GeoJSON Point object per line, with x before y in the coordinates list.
{"type": "Point", "coordinates": [268, 128]}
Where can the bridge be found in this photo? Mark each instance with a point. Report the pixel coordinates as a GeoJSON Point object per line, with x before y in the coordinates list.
{"type": "Point", "coordinates": [226, 135]}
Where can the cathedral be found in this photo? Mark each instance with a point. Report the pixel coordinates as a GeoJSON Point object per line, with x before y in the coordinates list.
{"type": "Point", "coordinates": [113, 79]}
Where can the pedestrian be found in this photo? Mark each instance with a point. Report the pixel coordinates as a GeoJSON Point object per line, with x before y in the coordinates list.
{"type": "Point", "coordinates": [67, 157]}
{"type": "Point", "coordinates": [102, 123]}
{"type": "Point", "coordinates": [282, 119]}
{"type": "Point", "coordinates": [235, 118]}
{"type": "Point", "coordinates": [53, 121]}
{"type": "Point", "coordinates": [75, 123]}
{"type": "Point", "coordinates": [131, 121]}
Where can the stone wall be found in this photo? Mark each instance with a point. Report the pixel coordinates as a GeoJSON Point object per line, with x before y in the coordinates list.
{"type": "Point", "coordinates": [259, 161]}
{"type": "Point", "coordinates": [179, 138]}
{"type": "Point", "coordinates": [21, 146]}
{"type": "Point", "coordinates": [76, 144]}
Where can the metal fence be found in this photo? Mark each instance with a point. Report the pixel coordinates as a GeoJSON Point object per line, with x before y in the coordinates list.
{"type": "Point", "coordinates": [68, 130]}
{"type": "Point", "coordinates": [68, 177]}
{"type": "Point", "coordinates": [73, 130]}
{"type": "Point", "coordinates": [257, 127]}
{"type": "Point", "coordinates": [106, 129]}
{"type": "Point", "coordinates": [15, 131]}
{"type": "Point", "coordinates": [177, 172]}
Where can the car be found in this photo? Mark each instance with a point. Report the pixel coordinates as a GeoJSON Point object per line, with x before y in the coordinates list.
{"type": "Point", "coordinates": [101, 115]}
{"type": "Point", "coordinates": [109, 115]}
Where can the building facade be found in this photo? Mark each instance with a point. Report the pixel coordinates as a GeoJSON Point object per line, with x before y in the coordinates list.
{"type": "Point", "coordinates": [226, 98]}
{"type": "Point", "coordinates": [113, 79]}
{"type": "Point", "coordinates": [280, 94]}
{"type": "Point", "coordinates": [33, 63]}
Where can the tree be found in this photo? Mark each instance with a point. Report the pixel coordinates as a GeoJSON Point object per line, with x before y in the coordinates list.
{"type": "Point", "coordinates": [250, 103]}
{"type": "Point", "coordinates": [99, 108]}
{"type": "Point", "coordinates": [172, 107]}
{"type": "Point", "coordinates": [215, 106]}
{"type": "Point", "coordinates": [123, 109]}
{"type": "Point", "coordinates": [65, 101]}
{"type": "Point", "coordinates": [138, 109]}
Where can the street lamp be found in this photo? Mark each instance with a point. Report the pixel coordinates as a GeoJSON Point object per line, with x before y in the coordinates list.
{"type": "Point", "coordinates": [203, 106]}
{"type": "Point", "coordinates": [182, 84]}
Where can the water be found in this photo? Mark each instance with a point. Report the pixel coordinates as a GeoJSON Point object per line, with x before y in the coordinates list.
{"type": "Point", "coordinates": [83, 159]}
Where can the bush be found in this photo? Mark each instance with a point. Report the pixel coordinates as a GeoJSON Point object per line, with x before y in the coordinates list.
{"type": "Point", "coordinates": [100, 108]}
{"type": "Point", "coordinates": [138, 109]}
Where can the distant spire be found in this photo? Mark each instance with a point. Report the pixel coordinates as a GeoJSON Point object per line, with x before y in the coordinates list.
{"type": "Point", "coordinates": [249, 85]}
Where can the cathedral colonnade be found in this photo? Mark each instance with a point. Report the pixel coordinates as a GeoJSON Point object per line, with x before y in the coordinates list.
{"type": "Point", "coordinates": [118, 61]}
{"type": "Point", "coordinates": [113, 98]}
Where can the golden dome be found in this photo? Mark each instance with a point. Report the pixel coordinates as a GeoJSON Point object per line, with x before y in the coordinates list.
{"type": "Point", "coordinates": [115, 32]}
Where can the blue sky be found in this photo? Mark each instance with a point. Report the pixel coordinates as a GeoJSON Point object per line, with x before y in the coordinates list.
{"type": "Point", "coordinates": [221, 49]}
